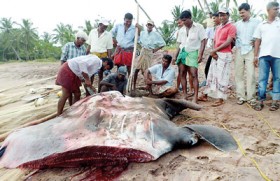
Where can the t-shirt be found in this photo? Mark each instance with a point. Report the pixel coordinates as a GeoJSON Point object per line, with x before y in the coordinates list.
{"type": "Point", "coordinates": [113, 79]}
{"type": "Point", "coordinates": [221, 35]}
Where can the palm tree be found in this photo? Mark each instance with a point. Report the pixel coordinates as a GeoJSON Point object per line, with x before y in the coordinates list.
{"type": "Point", "coordinates": [63, 34]}
{"type": "Point", "coordinates": [176, 12]}
{"type": "Point", "coordinates": [8, 37]}
{"type": "Point", "coordinates": [28, 35]}
{"type": "Point", "coordinates": [88, 27]}
{"type": "Point", "coordinates": [197, 15]}
{"type": "Point", "coordinates": [167, 31]}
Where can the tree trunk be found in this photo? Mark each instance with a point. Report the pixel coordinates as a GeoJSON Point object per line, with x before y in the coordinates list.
{"type": "Point", "coordinates": [18, 57]}
{"type": "Point", "coordinates": [207, 5]}
{"type": "Point", "coordinates": [201, 7]}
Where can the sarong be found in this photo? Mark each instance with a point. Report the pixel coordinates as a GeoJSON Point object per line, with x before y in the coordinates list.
{"type": "Point", "coordinates": [67, 79]}
{"type": "Point", "coordinates": [144, 60]}
{"type": "Point", "coordinates": [188, 58]}
{"type": "Point", "coordinates": [123, 56]}
{"type": "Point", "coordinates": [218, 76]}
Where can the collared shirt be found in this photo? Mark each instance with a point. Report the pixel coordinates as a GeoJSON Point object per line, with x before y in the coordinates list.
{"type": "Point", "coordinates": [269, 33]}
{"type": "Point", "coordinates": [221, 35]}
{"type": "Point", "coordinates": [124, 39]}
{"type": "Point", "coordinates": [70, 50]}
{"type": "Point", "coordinates": [89, 64]}
{"type": "Point", "coordinates": [168, 75]}
{"type": "Point", "coordinates": [244, 34]}
{"type": "Point", "coordinates": [113, 79]}
{"type": "Point", "coordinates": [151, 40]}
{"type": "Point", "coordinates": [191, 38]}
{"type": "Point", "coordinates": [100, 44]}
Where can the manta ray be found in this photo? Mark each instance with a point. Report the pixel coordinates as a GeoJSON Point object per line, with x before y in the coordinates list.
{"type": "Point", "coordinates": [108, 130]}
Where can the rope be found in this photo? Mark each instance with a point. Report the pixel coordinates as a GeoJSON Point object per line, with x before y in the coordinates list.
{"type": "Point", "coordinates": [241, 149]}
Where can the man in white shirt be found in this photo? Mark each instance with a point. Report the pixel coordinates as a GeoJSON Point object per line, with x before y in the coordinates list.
{"type": "Point", "coordinates": [267, 55]}
{"type": "Point", "coordinates": [160, 78]}
{"type": "Point", "coordinates": [76, 70]}
{"type": "Point", "coordinates": [100, 41]}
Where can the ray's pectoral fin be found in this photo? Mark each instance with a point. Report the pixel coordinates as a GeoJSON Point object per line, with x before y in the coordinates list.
{"type": "Point", "coordinates": [217, 137]}
{"type": "Point", "coordinates": [2, 150]}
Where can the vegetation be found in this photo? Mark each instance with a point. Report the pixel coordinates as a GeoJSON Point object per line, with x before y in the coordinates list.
{"type": "Point", "coordinates": [21, 41]}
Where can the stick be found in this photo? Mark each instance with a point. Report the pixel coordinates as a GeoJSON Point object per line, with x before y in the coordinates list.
{"type": "Point", "coordinates": [146, 14]}
{"type": "Point", "coordinates": [130, 82]}
{"type": "Point", "coordinates": [41, 80]}
{"type": "Point", "coordinates": [44, 119]}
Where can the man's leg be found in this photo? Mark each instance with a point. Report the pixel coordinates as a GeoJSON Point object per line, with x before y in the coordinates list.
{"type": "Point", "coordinates": [178, 78]}
{"type": "Point", "coordinates": [149, 87]}
{"type": "Point", "coordinates": [77, 95]}
{"type": "Point", "coordinates": [251, 80]}
{"type": "Point", "coordinates": [239, 77]}
{"type": "Point", "coordinates": [169, 92]}
{"type": "Point", "coordinates": [194, 74]}
{"type": "Point", "coordinates": [264, 67]}
{"type": "Point", "coordinates": [275, 68]}
{"type": "Point", "coordinates": [183, 74]}
{"type": "Point", "coordinates": [61, 102]}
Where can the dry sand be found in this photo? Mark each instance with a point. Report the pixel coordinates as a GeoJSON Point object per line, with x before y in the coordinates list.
{"type": "Point", "coordinates": [202, 162]}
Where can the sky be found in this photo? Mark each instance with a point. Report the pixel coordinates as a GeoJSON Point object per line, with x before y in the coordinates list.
{"type": "Point", "coordinates": [46, 14]}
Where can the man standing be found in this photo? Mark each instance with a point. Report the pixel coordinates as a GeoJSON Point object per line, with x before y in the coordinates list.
{"type": "Point", "coordinates": [100, 41]}
{"type": "Point", "coordinates": [116, 81]}
{"type": "Point", "coordinates": [219, 73]}
{"type": "Point", "coordinates": [160, 78]}
{"type": "Point", "coordinates": [267, 55]}
{"type": "Point", "coordinates": [244, 60]}
{"type": "Point", "coordinates": [192, 37]}
{"type": "Point", "coordinates": [76, 70]}
{"type": "Point", "coordinates": [123, 37]}
{"type": "Point", "coordinates": [74, 49]}
{"type": "Point", "coordinates": [151, 42]}
{"type": "Point", "coordinates": [209, 29]}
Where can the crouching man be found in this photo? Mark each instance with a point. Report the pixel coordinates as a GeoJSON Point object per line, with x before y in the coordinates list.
{"type": "Point", "coordinates": [160, 78]}
{"type": "Point", "coordinates": [116, 81]}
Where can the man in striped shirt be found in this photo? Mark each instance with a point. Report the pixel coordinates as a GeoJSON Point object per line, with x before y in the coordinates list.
{"type": "Point", "coordinates": [74, 49]}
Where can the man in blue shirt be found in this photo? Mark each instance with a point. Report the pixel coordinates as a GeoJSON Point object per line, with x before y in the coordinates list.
{"type": "Point", "coordinates": [151, 42]}
{"type": "Point", "coordinates": [123, 37]}
{"type": "Point", "coordinates": [160, 78]}
{"type": "Point", "coordinates": [244, 61]}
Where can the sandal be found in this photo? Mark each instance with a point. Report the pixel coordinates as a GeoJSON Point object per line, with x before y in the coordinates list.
{"type": "Point", "coordinates": [189, 94]}
{"type": "Point", "coordinates": [258, 107]}
{"type": "Point", "coordinates": [274, 106]}
{"type": "Point", "coordinates": [240, 102]}
{"type": "Point", "coordinates": [202, 98]}
{"type": "Point", "coordinates": [218, 103]}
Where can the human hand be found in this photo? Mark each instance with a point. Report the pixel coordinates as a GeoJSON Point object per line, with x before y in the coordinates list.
{"type": "Point", "coordinates": [214, 55]}
{"type": "Point", "coordinates": [256, 61]}
{"type": "Point", "coordinates": [199, 58]}
{"type": "Point", "coordinates": [114, 87]}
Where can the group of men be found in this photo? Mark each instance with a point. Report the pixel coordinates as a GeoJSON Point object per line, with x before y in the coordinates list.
{"type": "Point", "coordinates": [255, 44]}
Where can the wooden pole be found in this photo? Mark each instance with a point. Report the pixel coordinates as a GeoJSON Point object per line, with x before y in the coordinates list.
{"type": "Point", "coordinates": [130, 82]}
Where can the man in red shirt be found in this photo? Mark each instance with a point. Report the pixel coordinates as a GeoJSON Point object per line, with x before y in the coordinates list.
{"type": "Point", "coordinates": [219, 72]}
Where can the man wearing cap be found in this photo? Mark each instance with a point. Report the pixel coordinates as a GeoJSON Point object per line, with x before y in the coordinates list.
{"type": "Point", "coordinates": [151, 42]}
{"type": "Point", "coordinates": [74, 49]}
{"type": "Point", "coordinates": [219, 72]}
{"type": "Point", "coordinates": [115, 81]}
{"type": "Point", "coordinates": [192, 40]}
{"type": "Point", "coordinates": [123, 37]}
{"type": "Point", "coordinates": [100, 41]}
{"type": "Point", "coordinates": [160, 78]}
{"type": "Point", "coordinates": [76, 70]}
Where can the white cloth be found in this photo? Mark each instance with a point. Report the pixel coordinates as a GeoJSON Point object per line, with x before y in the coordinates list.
{"type": "Point", "coordinates": [191, 38]}
{"type": "Point", "coordinates": [218, 76]}
{"type": "Point", "coordinates": [89, 64]}
{"type": "Point", "coordinates": [168, 74]}
{"type": "Point", "coordinates": [269, 33]}
{"type": "Point", "coordinates": [100, 44]}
